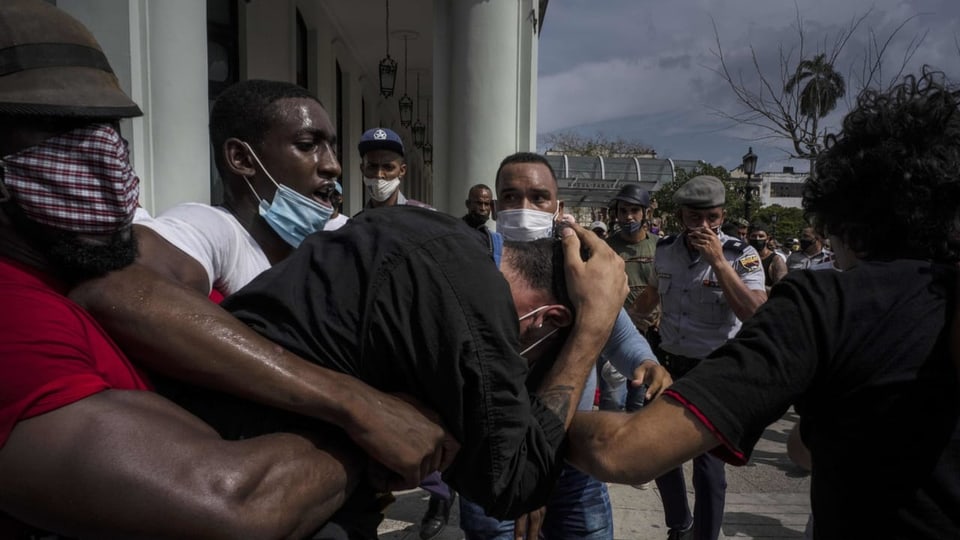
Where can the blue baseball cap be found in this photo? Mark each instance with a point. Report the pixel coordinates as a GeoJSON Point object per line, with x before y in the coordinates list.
{"type": "Point", "coordinates": [380, 138]}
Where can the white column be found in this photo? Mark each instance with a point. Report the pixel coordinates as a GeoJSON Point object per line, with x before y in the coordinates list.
{"type": "Point", "coordinates": [352, 178]}
{"type": "Point", "coordinates": [176, 81]}
{"type": "Point", "coordinates": [167, 77]}
{"type": "Point", "coordinates": [485, 92]}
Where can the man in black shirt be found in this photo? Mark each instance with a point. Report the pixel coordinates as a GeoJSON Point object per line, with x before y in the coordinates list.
{"type": "Point", "coordinates": [410, 301]}
{"type": "Point", "coordinates": [863, 354]}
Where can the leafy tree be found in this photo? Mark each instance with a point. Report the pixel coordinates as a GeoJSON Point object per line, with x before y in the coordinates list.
{"type": "Point", "coordinates": [569, 142]}
{"type": "Point", "coordinates": [788, 222]}
{"type": "Point", "coordinates": [822, 86]}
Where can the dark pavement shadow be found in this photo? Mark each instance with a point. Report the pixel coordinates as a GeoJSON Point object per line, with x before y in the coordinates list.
{"type": "Point", "coordinates": [755, 526]}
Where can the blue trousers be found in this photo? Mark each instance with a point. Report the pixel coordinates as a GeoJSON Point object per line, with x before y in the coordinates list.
{"type": "Point", "coordinates": [579, 509]}
{"type": "Point", "coordinates": [710, 489]}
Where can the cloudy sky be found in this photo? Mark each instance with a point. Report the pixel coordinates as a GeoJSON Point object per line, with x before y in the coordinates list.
{"type": "Point", "coordinates": [645, 69]}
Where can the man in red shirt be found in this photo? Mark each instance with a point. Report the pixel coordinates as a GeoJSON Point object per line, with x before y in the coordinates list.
{"type": "Point", "coordinates": [85, 449]}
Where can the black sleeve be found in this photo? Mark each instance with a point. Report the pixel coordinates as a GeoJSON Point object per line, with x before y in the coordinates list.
{"type": "Point", "coordinates": [750, 382]}
{"type": "Point", "coordinates": [445, 314]}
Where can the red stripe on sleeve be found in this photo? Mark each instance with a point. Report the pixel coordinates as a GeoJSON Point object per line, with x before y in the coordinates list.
{"type": "Point", "coordinates": [726, 451]}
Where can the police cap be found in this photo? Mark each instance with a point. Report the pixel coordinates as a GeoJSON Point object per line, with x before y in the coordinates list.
{"type": "Point", "coordinates": [380, 138]}
{"type": "Point", "coordinates": [701, 192]}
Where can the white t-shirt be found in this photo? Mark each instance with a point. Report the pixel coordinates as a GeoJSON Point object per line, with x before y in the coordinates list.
{"type": "Point", "coordinates": [336, 223]}
{"type": "Point", "coordinates": [215, 239]}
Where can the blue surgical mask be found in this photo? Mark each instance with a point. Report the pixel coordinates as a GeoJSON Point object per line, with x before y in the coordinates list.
{"type": "Point", "coordinates": [291, 215]}
{"type": "Point", "coordinates": [634, 227]}
{"type": "Point", "coordinates": [525, 224]}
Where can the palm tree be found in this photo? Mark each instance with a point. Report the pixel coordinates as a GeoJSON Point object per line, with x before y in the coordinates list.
{"type": "Point", "coordinates": [823, 88]}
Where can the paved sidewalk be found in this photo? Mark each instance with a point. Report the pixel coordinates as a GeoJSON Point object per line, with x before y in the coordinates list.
{"type": "Point", "coordinates": [766, 499]}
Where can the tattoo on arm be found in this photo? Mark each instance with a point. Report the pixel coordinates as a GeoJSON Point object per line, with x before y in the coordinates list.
{"type": "Point", "coordinates": [557, 399]}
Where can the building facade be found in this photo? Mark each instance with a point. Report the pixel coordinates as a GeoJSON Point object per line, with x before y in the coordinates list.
{"type": "Point", "coordinates": [476, 63]}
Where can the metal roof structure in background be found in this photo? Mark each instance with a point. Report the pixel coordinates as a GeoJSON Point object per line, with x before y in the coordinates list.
{"type": "Point", "coordinates": [592, 181]}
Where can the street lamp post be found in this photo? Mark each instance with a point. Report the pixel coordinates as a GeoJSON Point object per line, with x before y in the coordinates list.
{"type": "Point", "coordinates": [773, 219]}
{"type": "Point", "coordinates": [749, 167]}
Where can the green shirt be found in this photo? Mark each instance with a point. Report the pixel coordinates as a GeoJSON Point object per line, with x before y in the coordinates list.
{"type": "Point", "coordinates": [638, 262]}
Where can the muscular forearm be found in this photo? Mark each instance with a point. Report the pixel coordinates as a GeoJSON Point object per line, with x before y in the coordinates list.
{"type": "Point", "coordinates": [176, 332]}
{"type": "Point", "coordinates": [561, 388]}
{"type": "Point", "coordinates": [637, 447]}
{"type": "Point", "coordinates": [175, 477]}
{"type": "Point", "coordinates": [292, 487]}
{"type": "Point", "coordinates": [742, 300]}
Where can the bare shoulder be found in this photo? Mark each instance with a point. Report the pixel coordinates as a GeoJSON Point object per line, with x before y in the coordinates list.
{"type": "Point", "coordinates": [161, 256]}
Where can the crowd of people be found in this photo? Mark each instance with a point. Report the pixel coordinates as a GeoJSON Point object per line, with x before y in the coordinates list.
{"type": "Point", "coordinates": [273, 368]}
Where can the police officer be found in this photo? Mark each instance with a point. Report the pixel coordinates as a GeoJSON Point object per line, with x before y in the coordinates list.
{"type": "Point", "coordinates": [706, 283]}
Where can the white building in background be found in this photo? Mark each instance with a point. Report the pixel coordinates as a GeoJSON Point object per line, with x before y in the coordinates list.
{"type": "Point", "coordinates": [784, 188]}
{"type": "Point", "coordinates": [477, 63]}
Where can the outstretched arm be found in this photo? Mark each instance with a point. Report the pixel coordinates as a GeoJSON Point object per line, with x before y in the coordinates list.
{"type": "Point", "coordinates": [132, 464]}
{"type": "Point", "coordinates": [638, 447]}
{"type": "Point", "coordinates": [176, 331]}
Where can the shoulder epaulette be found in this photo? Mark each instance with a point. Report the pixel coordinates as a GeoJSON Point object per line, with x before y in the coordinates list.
{"type": "Point", "coordinates": [737, 246]}
{"type": "Point", "coordinates": [666, 240]}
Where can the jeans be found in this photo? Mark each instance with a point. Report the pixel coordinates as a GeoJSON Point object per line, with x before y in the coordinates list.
{"type": "Point", "coordinates": [612, 398]}
{"type": "Point", "coordinates": [579, 509]}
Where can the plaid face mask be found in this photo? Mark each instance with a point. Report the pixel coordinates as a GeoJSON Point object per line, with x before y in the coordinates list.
{"type": "Point", "coordinates": [80, 181]}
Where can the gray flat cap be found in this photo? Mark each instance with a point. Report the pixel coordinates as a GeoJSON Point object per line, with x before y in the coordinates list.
{"type": "Point", "coordinates": [701, 192]}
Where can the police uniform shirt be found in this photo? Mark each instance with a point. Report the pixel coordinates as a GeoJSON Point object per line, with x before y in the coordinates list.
{"type": "Point", "coordinates": [696, 318]}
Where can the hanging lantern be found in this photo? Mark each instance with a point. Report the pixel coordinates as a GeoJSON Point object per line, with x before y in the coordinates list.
{"type": "Point", "coordinates": [388, 66]}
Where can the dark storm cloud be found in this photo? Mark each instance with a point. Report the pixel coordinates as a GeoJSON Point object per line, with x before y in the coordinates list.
{"type": "Point", "coordinates": [682, 61]}
{"type": "Point", "coordinates": [649, 68]}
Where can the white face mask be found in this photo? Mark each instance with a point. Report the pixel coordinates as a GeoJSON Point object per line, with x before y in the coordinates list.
{"type": "Point", "coordinates": [541, 340]}
{"type": "Point", "coordinates": [381, 189]}
{"type": "Point", "coordinates": [526, 224]}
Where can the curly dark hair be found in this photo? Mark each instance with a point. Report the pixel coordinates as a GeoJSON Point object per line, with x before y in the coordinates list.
{"type": "Point", "coordinates": [245, 111]}
{"type": "Point", "coordinates": [889, 183]}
